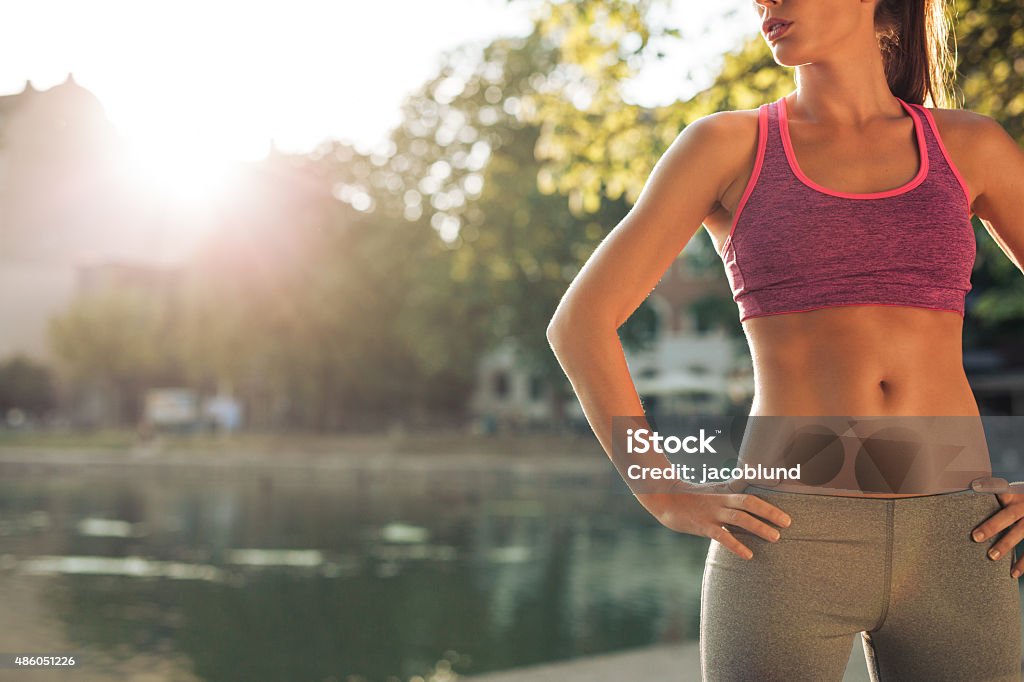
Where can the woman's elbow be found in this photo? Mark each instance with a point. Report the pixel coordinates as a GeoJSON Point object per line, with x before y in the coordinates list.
{"type": "Point", "coordinates": [572, 322]}
{"type": "Point", "coordinates": [562, 321]}
{"type": "Point", "coordinates": [556, 330]}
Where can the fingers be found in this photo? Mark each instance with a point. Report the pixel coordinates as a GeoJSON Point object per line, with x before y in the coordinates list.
{"type": "Point", "coordinates": [1007, 542]}
{"type": "Point", "coordinates": [763, 508]}
{"type": "Point", "coordinates": [1007, 517]}
{"type": "Point", "coordinates": [742, 519]}
{"type": "Point", "coordinates": [999, 521]}
{"type": "Point", "coordinates": [729, 541]}
{"type": "Point", "coordinates": [739, 511]}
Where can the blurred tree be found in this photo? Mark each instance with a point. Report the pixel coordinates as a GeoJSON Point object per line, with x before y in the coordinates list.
{"type": "Point", "coordinates": [325, 308]}
{"type": "Point", "coordinates": [116, 338]}
{"type": "Point", "coordinates": [26, 385]}
{"type": "Point", "coordinates": [465, 153]}
{"type": "Point", "coordinates": [990, 46]}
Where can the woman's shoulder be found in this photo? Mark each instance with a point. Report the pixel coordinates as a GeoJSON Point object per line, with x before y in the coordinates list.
{"type": "Point", "coordinates": [727, 122]}
{"type": "Point", "coordinates": [733, 132]}
{"type": "Point", "coordinates": [736, 134]}
{"type": "Point", "coordinates": [963, 128]}
{"type": "Point", "coordinates": [735, 129]}
{"type": "Point", "coordinates": [958, 121]}
{"type": "Point", "coordinates": [971, 137]}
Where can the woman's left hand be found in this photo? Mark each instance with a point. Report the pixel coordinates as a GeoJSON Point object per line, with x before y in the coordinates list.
{"type": "Point", "coordinates": [1011, 516]}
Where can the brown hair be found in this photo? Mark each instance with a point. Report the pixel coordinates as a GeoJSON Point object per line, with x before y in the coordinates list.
{"type": "Point", "coordinates": [914, 37]}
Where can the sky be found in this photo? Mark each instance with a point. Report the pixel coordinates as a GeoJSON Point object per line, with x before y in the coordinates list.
{"type": "Point", "coordinates": [226, 77]}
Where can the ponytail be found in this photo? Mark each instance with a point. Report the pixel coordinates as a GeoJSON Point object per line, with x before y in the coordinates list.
{"type": "Point", "coordinates": [914, 37]}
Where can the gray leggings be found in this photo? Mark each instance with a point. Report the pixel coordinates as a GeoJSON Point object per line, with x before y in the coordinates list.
{"type": "Point", "coordinates": [905, 574]}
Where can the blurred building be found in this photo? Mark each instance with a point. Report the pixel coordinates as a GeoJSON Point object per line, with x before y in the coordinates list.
{"type": "Point", "coordinates": [49, 141]}
{"type": "Point", "coordinates": [692, 367]}
{"type": "Point", "coordinates": [63, 204]}
{"type": "Point", "coordinates": [79, 212]}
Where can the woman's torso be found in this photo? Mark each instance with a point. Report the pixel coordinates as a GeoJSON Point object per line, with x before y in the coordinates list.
{"type": "Point", "coordinates": [854, 360]}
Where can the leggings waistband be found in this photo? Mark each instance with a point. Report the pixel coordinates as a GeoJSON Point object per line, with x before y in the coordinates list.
{"type": "Point", "coordinates": [827, 492]}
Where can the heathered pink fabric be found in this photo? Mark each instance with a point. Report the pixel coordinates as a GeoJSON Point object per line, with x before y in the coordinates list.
{"type": "Point", "coordinates": [796, 246]}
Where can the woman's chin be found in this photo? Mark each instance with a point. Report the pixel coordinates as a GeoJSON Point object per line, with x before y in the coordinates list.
{"type": "Point", "coordinates": [785, 56]}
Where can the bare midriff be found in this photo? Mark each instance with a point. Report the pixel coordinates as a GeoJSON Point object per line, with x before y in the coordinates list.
{"type": "Point", "coordinates": [861, 361]}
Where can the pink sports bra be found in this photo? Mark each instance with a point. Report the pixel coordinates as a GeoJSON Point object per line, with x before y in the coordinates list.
{"type": "Point", "coordinates": [796, 246]}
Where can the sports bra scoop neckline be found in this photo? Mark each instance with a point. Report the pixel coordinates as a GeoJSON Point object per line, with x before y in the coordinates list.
{"type": "Point", "coordinates": [919, 177]}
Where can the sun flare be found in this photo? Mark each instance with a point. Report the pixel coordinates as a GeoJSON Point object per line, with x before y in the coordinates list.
{"type": "Point", "coordinates": [178, 173]}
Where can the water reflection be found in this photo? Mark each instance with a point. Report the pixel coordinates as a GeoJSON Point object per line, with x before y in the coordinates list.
{"type": "Point", "coordinates": [297, 575]}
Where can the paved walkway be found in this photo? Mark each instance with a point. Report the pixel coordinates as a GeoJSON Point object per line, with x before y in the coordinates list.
{"type": "Point", "coordinates": [676, 662]}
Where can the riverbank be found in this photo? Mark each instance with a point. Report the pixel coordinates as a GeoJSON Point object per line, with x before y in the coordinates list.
{"type": "Point", "coordinates": [427, 462]}
{"type": "Point", "coordinates": [258, 446]}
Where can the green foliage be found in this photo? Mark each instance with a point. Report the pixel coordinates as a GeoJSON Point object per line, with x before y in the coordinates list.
{"type": "Point", "coordinates": [114, 333]}
{"type": "Point", "coordinates": [594, 144]}
{"type": "Point", "coordinates": [516, 248]}
{"type": "Point", "coordinates": [990, 46]}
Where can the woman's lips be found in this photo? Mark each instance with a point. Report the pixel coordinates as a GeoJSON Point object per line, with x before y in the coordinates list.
{"type": "Point", "coordinates": [777, 32]}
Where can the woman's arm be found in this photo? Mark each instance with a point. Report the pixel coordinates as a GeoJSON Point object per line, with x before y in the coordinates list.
{"type": "Point", "coordinates": [1000, 205]}
{"type": "Point", "coordinates": [1000, 200]}
{"type": "Point", "coordinates": [682, 190]}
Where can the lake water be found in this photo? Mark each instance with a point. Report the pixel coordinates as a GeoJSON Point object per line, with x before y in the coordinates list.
{"type": "Point", "coordinates": [232, 573]}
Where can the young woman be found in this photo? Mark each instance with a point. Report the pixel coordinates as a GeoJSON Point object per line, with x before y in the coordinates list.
{"type": "Point", "coordinates": [842, 215]}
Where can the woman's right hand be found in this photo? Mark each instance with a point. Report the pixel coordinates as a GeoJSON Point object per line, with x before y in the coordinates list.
{"type": "Point", "coordinates": [705, 509]}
